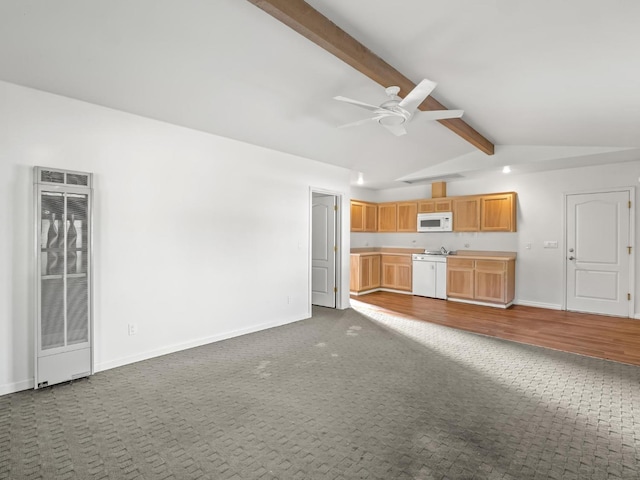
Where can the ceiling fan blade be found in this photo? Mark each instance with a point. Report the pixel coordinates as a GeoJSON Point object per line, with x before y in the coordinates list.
{"type": "Point", "coordinates": [357, 103]}
{"type": "Point", "coordinates": [359, 122]}
{"type": "Point", "coordinates": [397, 130]}
{"type": "Point", "coordinates": [439, 114]}
{"type": "Point", "coordinates": [416, 96]}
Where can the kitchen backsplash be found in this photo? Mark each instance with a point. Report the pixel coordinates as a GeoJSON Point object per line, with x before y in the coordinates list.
{"type": "Point", "coordinates": [433, 241]}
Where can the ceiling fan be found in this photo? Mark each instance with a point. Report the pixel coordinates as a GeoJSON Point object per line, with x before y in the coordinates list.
{"type": "Point", "coordinates": [396, 112]}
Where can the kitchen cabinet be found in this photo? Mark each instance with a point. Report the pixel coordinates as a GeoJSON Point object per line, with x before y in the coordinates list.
{"type": "Point", "coordinates": [365, 272]}
{"type": "Point", "coordinates": [481, 280]}
{"type": "Point", "coordinates": [485, 213]}
{"type": "Point", "coordinates": [407, 217]}
{"type": "Point", "coordinates": [388, 217]}
{"type": "Point", "coordinates": [460, 278]}
{"type": "Point", "coordinates": [364, 216]}
{"type": "Point", "coordinates": [63, 273]}
{"type": "Point", "coordinates": [396, 272]}
{"type": "Point", "coordinates": [435, 206]}
{"type": "Point", "coordinates": [498, 212]}
{"type": "Point", "coordinates": [466, 214]}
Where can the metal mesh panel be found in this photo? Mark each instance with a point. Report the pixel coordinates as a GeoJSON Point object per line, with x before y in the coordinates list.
{"type": "Point", "coordinates": [52, 323]}
{"type": "Point", "coordinates": [77, 310]}
{"type": "Point", "coordinates": [51, 176]}
{"type": "Point", "coordinates": [52, 251]}
{"type": "Point", "coordinates": [77, 179]}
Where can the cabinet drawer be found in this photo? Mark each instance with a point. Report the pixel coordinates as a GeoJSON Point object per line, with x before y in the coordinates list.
{"type": "Point", "coordinates": [460, 262]}
{"type": "Point", "coordinates": [397, 259]}
{"type": "Point", "coordinates": [491, 265]}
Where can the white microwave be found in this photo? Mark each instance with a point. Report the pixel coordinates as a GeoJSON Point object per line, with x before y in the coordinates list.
{"type": "Point", "coordinates": [435, 222]}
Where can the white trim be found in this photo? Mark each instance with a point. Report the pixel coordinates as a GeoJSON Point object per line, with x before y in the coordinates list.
{"type": "Point", "coordinates": [632, 241]}
{"type": "Point", "coordinates": [636, 316]}
{"type": "Point", "coordinates": [341, 301]}
{"type": "Point", "coordinates": [381, 289]}
{"type": "Point", "coordinates": [548, 306]}
{"type": "Point", "coordinates": [192, 344]}
{"type": "Point", "coordinates": [14, 387]}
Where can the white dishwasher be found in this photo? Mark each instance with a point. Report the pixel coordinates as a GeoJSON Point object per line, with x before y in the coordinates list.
{"type": "Point", "coordinates": [430, 275]}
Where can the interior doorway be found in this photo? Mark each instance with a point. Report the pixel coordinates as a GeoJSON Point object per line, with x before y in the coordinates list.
{"type": "Point", "coordinates": [599, 254]}
{"type": "Point", "coordinates": [324, 249]}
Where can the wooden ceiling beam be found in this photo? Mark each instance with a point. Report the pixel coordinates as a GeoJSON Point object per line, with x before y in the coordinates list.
{"type": "Point", "coordinates": [310, 23]}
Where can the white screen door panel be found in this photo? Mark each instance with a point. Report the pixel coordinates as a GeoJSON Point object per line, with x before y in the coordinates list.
{"type": "Point", "coordinates": [598, 259]}
{"type": "Point", "coordinates": [323, 255]}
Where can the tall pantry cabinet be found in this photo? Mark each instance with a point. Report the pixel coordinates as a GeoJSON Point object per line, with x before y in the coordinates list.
{"type": "Point", "coordinates": [63, 237]}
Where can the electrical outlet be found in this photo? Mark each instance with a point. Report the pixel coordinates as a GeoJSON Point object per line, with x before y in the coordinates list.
{"type": "Point", "coordinates": [133, 328]}
{"type": "Point", "coordinates": [550, 244]}
{"type": "Point", "coordinates": [527, 246]}
{"type": "Point", "coordinates": [288, 299]}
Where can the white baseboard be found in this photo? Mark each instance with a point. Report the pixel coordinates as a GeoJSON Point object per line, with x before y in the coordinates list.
{"type": "Point", "coordinates": [14, 387]}
{"type": "Point", "coordinates": [484, 304]}
{"type": "Point", "coordinates": [526, 303]}
{"type": "Point", "coordinates": [27, 384]}
{"type": "Point", "coordinates": [99, 367]}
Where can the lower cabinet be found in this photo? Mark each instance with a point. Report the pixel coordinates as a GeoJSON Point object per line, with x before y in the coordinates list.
{"type": "Point", "coordinates": [396, 272]}
{"type": "Point", "coordinates": [365, 272]}
{"type": "Point", "coordinates": [481, 281]}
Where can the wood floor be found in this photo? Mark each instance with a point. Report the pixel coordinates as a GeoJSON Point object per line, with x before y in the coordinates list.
{"type": "Point", "coordinates": [612, 338]}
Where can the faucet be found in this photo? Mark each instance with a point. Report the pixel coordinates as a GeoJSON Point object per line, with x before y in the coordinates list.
{"type": "Point", "coordinates": [444, 251]}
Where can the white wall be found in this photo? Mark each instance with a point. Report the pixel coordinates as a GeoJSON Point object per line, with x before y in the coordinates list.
{"type": "Point", "coordinates": [197, 237]}
{"type": "Point", "coordinates": [540, 217]}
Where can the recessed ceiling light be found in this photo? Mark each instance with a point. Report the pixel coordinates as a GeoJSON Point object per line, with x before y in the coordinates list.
{"type": "Point", "coordinates": [506, 169]}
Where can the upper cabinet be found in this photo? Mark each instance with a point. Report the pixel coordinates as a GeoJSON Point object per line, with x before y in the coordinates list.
{"type": "Point", "coordinates": [466, 214]}
{"type": "Point", "coordinates": [435, 206]}
{"type": "Point", "coordinates": [407, 217]}
{"type": "Point", "coordinates": [494, 212]}
{"type": "Point", "coordinates": [498, 212]}
{"type": "Point", "coordinates": [485, 213]}
{"type": "Point", "coordinates": [387, 217]}
{"type": "Point", "coordinates": [364, 216]}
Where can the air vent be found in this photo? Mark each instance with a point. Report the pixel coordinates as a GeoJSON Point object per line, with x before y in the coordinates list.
{"type": "Point", "coordinates": [440, 178]}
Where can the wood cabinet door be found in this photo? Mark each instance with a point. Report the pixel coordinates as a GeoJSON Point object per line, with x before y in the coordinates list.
{"type": "Point", "coordinates": [466, 214]}
{"type": "Point", "coordinates": [388, 275]}
{"type": "Point", "coordinates": [357, 216]}
{"type": "Point", "coordinates": [404, 277]}
{"type": "Point", "coordinates": [443, 206]}
{"type": "Point", "coordinates": [407, 217]}
{"type": "Point", "coordinates": [370, 217]}
{"type": "Point", "coordinates": [387, 217]}
{"type": "Point", "coordinates": [490, 281]}
{"type": "Point", "coordinates": [498, 213]}
{"type": "Point", "coordinates": [426, 206]}
{"type": "Point", "coordinates": [354, 271]}
{"type": "Point", "coordinates": [375, 271]}
{"type": "Point", "coordinates": [460, 278]}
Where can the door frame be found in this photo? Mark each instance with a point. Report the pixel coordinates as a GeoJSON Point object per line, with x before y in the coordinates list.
{"type": "Point", "coordinates": [632, 233]}
{"type": "Point", "coordinates": [339, 197]}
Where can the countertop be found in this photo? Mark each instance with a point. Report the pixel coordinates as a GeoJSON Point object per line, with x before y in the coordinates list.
{"type": "Point", "coordinates": [470, 254]}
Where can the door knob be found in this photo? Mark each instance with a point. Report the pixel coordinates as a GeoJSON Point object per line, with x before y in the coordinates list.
{"type": "Point", "coordinates": [572, 258]}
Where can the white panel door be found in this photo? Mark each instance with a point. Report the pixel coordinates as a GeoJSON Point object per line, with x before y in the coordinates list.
{"type": "Point", "coordinates": [323, 255]}
{"type": "Point", "coordinates": [598, 259]}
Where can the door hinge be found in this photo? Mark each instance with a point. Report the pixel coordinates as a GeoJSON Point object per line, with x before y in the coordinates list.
{"type": "Point", "coordinates": [335, 207]}
{"type": "Point", "coordinates": [629, 203]}
{"type": "Point", "coordinates": [629, 250]}
{"type": "Point", "coordinates": [628, 296]}
{"type": "Point", "coordinates": [335, 248]}
{"type": "Point", "coordinates": [335, 289]}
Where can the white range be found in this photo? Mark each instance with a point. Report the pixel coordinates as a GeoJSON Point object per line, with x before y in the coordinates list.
{"type": "Point", "coordinates": [430, 275]}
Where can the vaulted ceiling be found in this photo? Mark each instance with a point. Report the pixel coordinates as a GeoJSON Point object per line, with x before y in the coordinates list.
{"type": "Point", "coordinates": [551, 84]}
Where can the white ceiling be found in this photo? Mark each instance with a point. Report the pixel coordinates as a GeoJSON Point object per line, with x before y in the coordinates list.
{"type": "Point", "coordinates": [542, 76]}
